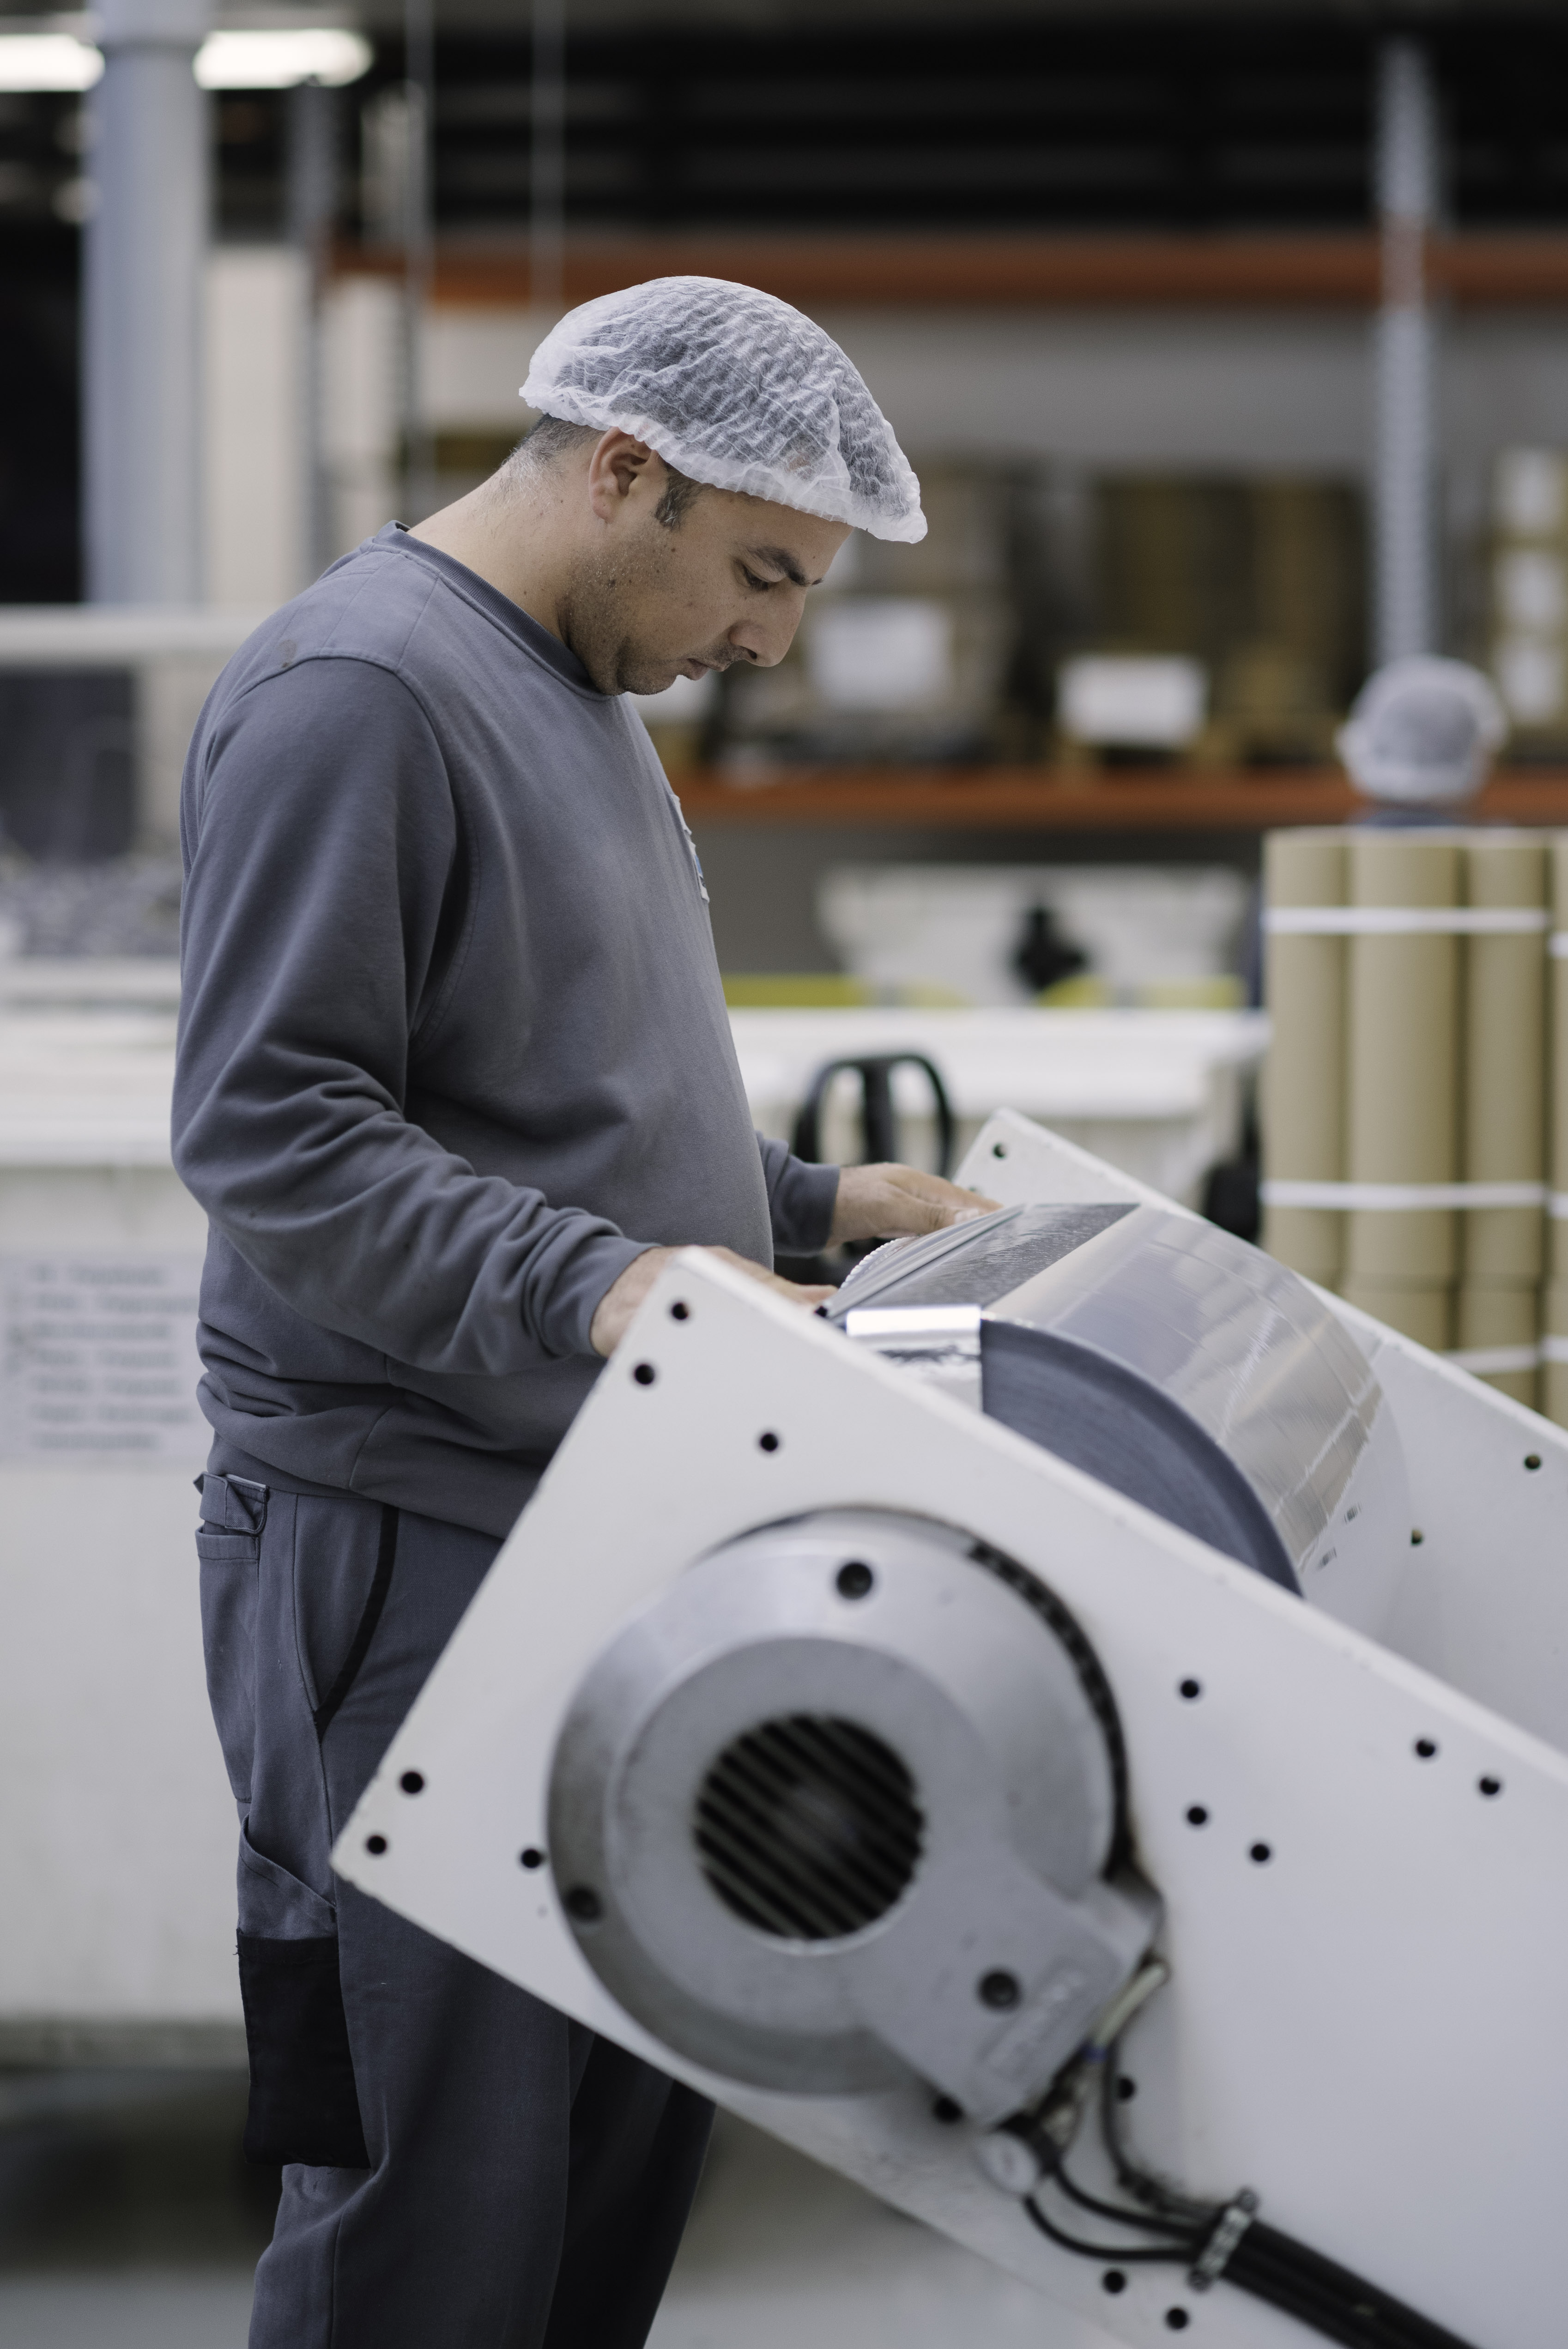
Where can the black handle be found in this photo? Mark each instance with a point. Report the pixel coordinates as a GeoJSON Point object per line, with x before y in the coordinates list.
{"type": "Point", "coordinates": [879, 1124]}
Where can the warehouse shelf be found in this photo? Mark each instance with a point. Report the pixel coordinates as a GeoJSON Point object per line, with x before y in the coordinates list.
{"type": "Point", "coordinates": [1035, 798]}
{"type": "Point", "coordinates": [1020, 271]}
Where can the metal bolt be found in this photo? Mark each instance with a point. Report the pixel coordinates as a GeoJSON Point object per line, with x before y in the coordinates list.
{"type": "Point", "coordinates": [1000, 1989]}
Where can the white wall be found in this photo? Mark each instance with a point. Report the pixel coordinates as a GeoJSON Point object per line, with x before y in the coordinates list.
{"type": "Point", "coordinates": [1247, 391]}
{"type": "Point", "coordinates": [255, 454]}
{"type": "Point", "coordinates": [360, 360]}
{"type": "Point", "coordinates": [117, 1832]}
{"type": "Point", "coordinates": [474, 363]}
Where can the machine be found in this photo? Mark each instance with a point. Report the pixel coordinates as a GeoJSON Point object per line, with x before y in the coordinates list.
{"type": "Point", "coordinates": [1074, 1738]}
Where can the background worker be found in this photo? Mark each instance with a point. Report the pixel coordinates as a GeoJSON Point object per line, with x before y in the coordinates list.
{"type": "Point", "coordinates": [455, 1074]}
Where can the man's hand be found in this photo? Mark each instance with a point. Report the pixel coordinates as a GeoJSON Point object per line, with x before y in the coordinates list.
{"type": "Point", "coordinates": [621, 1300]}
{"type": "Point", "coordinates": [889, 1203]}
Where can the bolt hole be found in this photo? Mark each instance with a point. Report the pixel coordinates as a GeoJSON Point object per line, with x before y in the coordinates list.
{"type": "Point", "coordinates": [1191, 1689]}
{"type": "Point", "coordinates": [1113, 2281]}
{"type": "Point", "coordinates": [1126, 2089]}
{"type": "Point", "coordinates": [1000, 1990]}
{"type": "Point", "coordinates": [531, 1857]}
{"type": "Point", "coordinates": [376, 1846]}
{"type": "Point", "coordinates": [1197, 1816]}
{"type": "Point", "coordinates": [582, 1902]}
{"type": "Point", "coordinates": [1426, 1747]}
{"type": "Point", "coordinates": [644, 1374]}
{"type": "Point", "coordinates": [945, 2111]}
{"type": "Point", "coordinates": [1532, 1459]}
{"type": "Point", "coordinates": [1489, 1785]}
{"type": "Point", "coordinates": [768, 1441]}
{"type": "Point", "coordinates": [1177, 2319]}
{"type": "Point", "coordinates": [412, 1782]}
{"type": "Point", "coordinates": [1261, 1853]}
{"type": "Point", "coordinates": [853, 1580]}
{"type": "Point", "coordinates": [1416, 1538]}
{"type": "Point", "coordinates": [680, 1311]}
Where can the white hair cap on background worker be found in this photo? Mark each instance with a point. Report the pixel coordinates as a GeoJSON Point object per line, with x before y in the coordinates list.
{"type": "Point", "coordinates": [734, 389]}
{"type": "Point", "coordinates": [1422, 731]}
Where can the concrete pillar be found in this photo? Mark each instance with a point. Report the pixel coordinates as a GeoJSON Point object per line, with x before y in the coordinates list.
{"type": "Point", "coordinates": [1404, 597]}
{"type": "Point", "coordinates": [146, 246]}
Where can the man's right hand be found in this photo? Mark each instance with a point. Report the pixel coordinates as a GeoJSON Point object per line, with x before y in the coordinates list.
{"type": "Point", "coordinates": [622, 1299]}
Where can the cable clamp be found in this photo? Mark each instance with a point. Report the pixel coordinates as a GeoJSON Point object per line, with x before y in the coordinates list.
{"type": "Point", "coordinates": [1232, 2224]}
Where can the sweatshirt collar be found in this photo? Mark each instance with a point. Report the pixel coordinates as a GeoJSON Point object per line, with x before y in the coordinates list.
{"type": "Point", "coordinates": [518, 624]}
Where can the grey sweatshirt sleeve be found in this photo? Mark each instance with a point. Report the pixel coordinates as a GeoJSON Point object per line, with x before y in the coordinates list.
{"type": "Point", "coordinates": [800, 1199]}
{"type": "Point", "coordinates": [321, 840]}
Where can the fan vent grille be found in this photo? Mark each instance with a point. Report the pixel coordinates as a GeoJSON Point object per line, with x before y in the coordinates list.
{"type": "Point", "coordinates": [809, 1828]}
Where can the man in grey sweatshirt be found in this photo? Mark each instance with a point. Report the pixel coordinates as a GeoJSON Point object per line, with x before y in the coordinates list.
{"type": "Point", "coordinates": [455, 1074]}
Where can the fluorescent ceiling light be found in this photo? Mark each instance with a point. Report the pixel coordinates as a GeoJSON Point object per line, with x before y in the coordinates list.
{"type": "Point", "coordinates": [35, 61]}
{"type": "Point", "coordinates": [280, 58]}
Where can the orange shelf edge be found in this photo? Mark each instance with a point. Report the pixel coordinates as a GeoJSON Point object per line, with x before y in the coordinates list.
{"type": "Point", "coordinates": [1024, 270]}
{"type": "Point", "coordinates": [1025, 799]}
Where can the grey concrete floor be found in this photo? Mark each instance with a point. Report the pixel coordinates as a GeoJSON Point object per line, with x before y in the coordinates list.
{"type": "Point", "coordinates": [127, 2221]}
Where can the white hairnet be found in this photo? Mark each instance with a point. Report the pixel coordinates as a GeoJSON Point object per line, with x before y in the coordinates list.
{"type": "Point", "coordinates": [1422, 730]}
{"type": "Point", "coordinates": [735, 390]}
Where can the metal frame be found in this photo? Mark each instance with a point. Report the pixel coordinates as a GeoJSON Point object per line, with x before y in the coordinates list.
{"type": "Point", "coordinates": [1365, 2020]}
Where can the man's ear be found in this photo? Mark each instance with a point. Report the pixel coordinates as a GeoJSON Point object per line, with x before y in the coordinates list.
{"type": "Point", "coordinates": [614, 470]}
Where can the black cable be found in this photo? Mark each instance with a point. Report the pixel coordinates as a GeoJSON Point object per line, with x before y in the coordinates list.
{"type": "Point", "coordinates": [1176, 2207]}
{"type": "Point", "coordinates": [1179, 2255]}
{"type": "Point", "coordinates": [1342, 2306]}
{"type": "Point", "coordinates": [1113, 2210]}
{"type": "Point", "coordinates": [1272, 2267]}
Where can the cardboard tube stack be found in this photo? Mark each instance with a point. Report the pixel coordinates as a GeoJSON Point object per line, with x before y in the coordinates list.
{"type": "Point", "coordinates": [1304, 1078]}
{"type": "Point", "coordinates": [1505, 1115]}
{"type": "Point", "coordinates": [1401, 1084]}
{"type": "Point", "coordinates": [1433, 1031]}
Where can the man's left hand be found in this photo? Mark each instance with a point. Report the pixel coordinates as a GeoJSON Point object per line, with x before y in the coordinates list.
{"type": "Point", "coordinates": [889, 1203]}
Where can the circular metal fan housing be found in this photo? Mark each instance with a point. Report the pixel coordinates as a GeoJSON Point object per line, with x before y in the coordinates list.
{"type": "Point", "coordinates": [844, 1806]}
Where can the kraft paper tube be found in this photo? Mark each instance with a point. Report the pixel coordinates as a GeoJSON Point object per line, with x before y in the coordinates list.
{"type": "Point", "coordinates": [1402, 1053]}
{"type": "Point", "coordinates": [1505, 1060]}
{"type": "Point", "coordinates": [1554, 1396]}
{"type": "Point", "coordinates": [1557, 1046]}
{"type": "Point", "coordinates": [1422, 1311]}
{"type": "Point", "coordinates": [1492, 1317]}
{"type": "Point", "coordinates": [1303, 1077]}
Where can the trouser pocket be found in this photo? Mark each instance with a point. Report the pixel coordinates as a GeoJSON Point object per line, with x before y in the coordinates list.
{"type": "Point", "coordinates": [303, 2104]}
{"type": "Point", "coordinates": [230, 1575]}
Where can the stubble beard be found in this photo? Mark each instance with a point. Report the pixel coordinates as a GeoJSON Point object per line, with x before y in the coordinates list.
{"type": "Point", "coordinates": [593, 617]}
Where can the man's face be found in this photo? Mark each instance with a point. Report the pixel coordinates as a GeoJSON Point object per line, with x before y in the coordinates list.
{"type": "Point", "coordinates": [651, 601]}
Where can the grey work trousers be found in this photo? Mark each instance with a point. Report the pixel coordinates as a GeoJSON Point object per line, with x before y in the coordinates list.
{"type": "Point", "coordinates": [464, 2168]}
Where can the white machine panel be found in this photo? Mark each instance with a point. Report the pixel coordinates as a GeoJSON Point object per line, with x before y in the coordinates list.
{"type": "Point", "coordinates": [1363, 1866]}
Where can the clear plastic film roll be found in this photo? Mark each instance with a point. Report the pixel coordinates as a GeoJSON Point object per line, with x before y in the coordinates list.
{"type": "Point", "coordinates": [1303, 1078]}
{"type": "Point", "coordinates": [1402, 1121]}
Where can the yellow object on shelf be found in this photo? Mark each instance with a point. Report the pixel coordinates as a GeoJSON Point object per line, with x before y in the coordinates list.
{"type": "Point", "coordinates": [1083, 992]}
{"type": "Point", "coordinates": [804, 990]}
